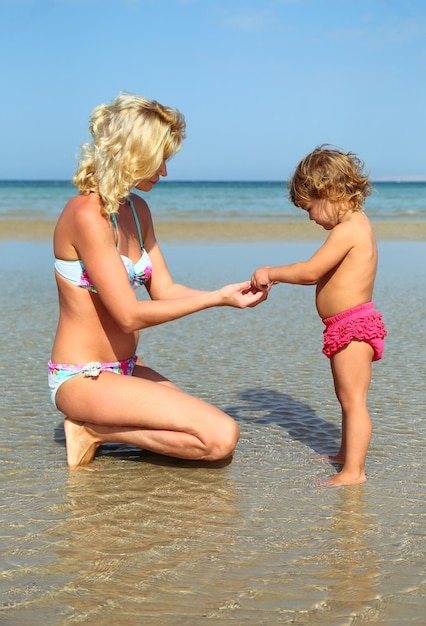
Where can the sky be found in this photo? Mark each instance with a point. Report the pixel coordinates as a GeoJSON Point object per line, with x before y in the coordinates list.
{"type": "Point", "coordinates": [261, 82]}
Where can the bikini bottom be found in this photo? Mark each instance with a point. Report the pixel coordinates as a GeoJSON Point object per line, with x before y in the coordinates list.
{"type": "Point", "coordinates": [59, 373]}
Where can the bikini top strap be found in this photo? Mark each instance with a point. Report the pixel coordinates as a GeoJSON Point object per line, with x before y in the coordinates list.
{"type": "Point", "coordinates": [135, 215]}
{"type": "Point", "coordinates": [114, 221]}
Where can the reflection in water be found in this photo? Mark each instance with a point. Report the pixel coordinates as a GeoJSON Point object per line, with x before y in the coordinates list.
{"type": "Point", "coordinates": [141, 533]}
{"type": "Point", "coordinates": [324, 565]}
{"type": "Point", "coordinates": [351, 565]}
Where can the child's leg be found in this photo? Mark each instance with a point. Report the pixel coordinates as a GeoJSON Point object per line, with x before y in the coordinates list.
{"type": "Point", "coordinates": [340, 456]}
{"type": "Point", "coordinates": [351, 368]}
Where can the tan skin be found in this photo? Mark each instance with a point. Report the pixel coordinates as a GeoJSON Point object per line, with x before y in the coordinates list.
{"type": "Point", "coordinates": [344, 270]}
{"type": "Point", "coordinates": [145, 409]}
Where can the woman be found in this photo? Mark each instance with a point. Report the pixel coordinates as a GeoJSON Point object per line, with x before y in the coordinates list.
{"type": "Point", "coordinates": [105, 247]}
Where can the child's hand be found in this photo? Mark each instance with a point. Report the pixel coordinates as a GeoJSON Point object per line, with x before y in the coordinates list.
{"type": "Point", "coordinates": [260, 279]}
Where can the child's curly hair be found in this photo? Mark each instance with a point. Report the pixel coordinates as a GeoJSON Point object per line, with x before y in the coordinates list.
{"type": "Point", "coordinates": [331, 174]}
{"type": "Point", "coordinates": [131, 138]}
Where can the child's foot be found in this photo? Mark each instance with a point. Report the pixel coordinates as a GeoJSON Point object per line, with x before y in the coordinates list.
{"type": "Point", "coordinates": [341, 480]}
{"type": "Point", "coordinates": [334, 458]}
{"type": "Point", "coordinates": [81, 445]}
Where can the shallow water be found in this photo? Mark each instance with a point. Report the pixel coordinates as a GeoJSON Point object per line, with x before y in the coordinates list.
{"type": "Point", "coordinates": [159, 541]}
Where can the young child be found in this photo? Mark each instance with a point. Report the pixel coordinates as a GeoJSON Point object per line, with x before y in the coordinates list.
{"type": "Point", "coordinates": [331, 187]}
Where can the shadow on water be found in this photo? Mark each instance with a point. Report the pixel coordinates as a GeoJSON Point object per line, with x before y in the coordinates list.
{"type": "Point", "coordinates": [299, 420]}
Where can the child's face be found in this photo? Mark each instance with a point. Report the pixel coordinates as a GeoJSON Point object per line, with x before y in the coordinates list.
{"type": "Point", "coordinates": [322, 212]}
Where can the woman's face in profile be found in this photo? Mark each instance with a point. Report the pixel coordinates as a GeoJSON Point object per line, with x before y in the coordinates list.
{"type": "Point", "coordinates": [146, 184]}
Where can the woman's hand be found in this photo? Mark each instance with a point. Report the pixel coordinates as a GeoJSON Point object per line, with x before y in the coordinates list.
{"type": "Point", "coordinates": [243, 295]}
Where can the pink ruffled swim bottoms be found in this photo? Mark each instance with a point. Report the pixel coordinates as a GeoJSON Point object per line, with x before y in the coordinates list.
{"type": "Point", "coordinates": [361, 323]}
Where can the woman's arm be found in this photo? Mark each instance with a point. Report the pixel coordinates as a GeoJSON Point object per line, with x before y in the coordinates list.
{"type": "Point", "coordinates": [93, 239]}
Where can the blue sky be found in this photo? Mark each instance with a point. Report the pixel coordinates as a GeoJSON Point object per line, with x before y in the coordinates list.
{"type": "Point", "coordinates": [261, 82]}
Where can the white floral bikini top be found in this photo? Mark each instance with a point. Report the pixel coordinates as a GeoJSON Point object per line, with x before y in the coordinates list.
{"type": "Point", "coordinates": [139, 273]}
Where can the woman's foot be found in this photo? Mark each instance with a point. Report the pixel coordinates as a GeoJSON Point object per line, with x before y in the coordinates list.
{"type": "Point", "coordinates": [81, 445]}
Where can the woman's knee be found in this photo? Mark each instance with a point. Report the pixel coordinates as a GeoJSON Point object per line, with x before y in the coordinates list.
{"type": "Point", "coordinates": [224, 441]}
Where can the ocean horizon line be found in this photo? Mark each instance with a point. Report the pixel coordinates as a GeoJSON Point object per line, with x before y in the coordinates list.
{"type": "Point", "coordinates": [374, 181]}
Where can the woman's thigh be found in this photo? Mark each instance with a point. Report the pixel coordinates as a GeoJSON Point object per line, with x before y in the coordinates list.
{"type": "Point", "coordinates": [145, 400]}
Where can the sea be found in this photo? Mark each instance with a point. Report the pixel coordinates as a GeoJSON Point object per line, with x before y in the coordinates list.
{"type": "Point", "coordinates": [212, 200]}
{"type": "Point", "coordinates": [145, 539]}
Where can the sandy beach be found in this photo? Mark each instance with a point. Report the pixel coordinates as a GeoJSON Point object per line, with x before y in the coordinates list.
{"type": "Point", "coordinates": [222, 231]}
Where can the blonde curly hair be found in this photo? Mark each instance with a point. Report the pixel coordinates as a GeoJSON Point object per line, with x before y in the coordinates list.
{"type": "Point", "coordinates": [329, 173]}
{"type": "Point", "coordinates": [131, 138]}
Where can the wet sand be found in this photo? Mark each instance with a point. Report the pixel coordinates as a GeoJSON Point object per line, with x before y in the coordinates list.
{"type": "Point", "coordinates": [216, 232]}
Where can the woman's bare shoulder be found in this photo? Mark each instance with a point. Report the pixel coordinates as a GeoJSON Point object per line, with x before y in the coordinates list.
{"type": "Point", "coordinates": [83, 203]}
{"type": "Point", "coordinates": [84, 211]}
{"type": "Point", "coordinates": [82, 219]}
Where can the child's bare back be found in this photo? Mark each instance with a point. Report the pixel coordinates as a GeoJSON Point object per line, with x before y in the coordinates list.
{"type": "Point", "coordinates": [350, 282]}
